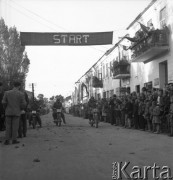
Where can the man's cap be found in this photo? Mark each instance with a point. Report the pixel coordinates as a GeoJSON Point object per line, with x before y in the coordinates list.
{"type": "Point", "coordinates": [16, 83]}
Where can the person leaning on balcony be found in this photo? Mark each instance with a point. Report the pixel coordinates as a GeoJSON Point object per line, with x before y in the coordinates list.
{"type": "Point", "coordinates": [13, 102]}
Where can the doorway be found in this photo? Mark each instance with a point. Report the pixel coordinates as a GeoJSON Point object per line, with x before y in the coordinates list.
{"type": "Point", "coordinates": [163, 73]}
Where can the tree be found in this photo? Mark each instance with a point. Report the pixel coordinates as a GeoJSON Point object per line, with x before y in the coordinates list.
{"type": "Point", "coordinates": [14, 62]}
{"type": "Point", "coordinates": [52, 98]}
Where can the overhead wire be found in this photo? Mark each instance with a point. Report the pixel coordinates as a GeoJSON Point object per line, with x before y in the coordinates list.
{"type": "Point", "coordinates": [50, 22]}
{"type": "Point", "coordinates": [39, 16]}
{"type": "Point", "coordinates": [30, 17]}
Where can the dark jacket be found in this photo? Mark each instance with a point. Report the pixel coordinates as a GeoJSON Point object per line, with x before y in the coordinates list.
{"type": "Point", "coordinates": [92, 103]}
{"type": "Point", "coordinates": [13, 102]}
{"type": "Point", "coordinates": [57, 105]}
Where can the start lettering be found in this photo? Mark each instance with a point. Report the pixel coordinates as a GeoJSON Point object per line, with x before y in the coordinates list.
{"type": "Point", "coordinates": [70, 39]}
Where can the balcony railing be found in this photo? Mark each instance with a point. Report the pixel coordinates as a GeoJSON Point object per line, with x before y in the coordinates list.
{"type": "Point", "coordinates": [121, 69]}
{"type": "Point", "coordinates": [154, 45]}
{"type": "Point", "coordinates": [96, 82]}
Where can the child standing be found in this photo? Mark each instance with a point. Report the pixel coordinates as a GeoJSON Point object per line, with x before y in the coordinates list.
{"type": "Point", "coordinates": [156, 119]}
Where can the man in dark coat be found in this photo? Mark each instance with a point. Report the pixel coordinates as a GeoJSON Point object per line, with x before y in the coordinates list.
{"type": "Point", "coordinates": [23, 120]}
{"type": "Point", "coordinates": [58, 105]}
{"type": "Point", "coordinates": [91, 105]}
{"type": "Point", "coordinates": [35, 107]}
{"type": "Point", "coordinates": [13, 102]}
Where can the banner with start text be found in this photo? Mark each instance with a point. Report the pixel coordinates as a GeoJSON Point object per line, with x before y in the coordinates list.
{"type": "Point", "coordinates": [65, 39]}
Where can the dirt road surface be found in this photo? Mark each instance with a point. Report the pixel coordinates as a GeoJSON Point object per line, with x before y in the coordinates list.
{"type": "Point", "coordinates": [76, 151]}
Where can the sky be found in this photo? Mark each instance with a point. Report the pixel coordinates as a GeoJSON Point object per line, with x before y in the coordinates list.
{"type": "Point", "coordinates": [55, 69]}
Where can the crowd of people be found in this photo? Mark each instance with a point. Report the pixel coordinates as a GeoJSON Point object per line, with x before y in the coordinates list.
{"type": "Point", "coordinates": [150, 110]}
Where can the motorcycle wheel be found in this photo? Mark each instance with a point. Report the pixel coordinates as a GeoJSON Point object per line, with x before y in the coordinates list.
{"type": "Point", "coordinates": [33, 123]}
{"type": "Point", "coordinates": [96, 121]}
{"type": "Point", "coordinates": [92, 123]}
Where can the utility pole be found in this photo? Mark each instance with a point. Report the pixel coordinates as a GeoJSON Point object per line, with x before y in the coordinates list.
{"type": "Point", "coordinates": [33, 90]}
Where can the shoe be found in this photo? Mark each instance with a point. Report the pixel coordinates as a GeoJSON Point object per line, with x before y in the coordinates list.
{"type": "Point", "coordinates": [24, 135]}
{"type": "Point", "coordinates": [7, 142]}
{"type": "Point", "coordinates": [19, 136]}
{"type": "Point", "coordinates": [15, 142]}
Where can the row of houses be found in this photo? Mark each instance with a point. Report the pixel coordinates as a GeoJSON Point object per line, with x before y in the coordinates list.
{"type": "Point", "coordinates": [141, 58]}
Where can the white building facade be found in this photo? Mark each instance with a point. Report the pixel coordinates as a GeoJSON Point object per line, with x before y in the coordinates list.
{"type": "Point", "coordinates": [150, 59]}
{"type": "Point", "coordinates": [154, 66]}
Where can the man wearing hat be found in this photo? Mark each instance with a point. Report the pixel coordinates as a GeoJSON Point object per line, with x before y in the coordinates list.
{"type": "Point", "coordinates": [13, 102]}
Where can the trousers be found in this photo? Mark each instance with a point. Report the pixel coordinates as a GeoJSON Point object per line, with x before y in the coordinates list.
{"type": "Point", "coordinates": [22, 125]}
{"type": "Point", "coordinates": [12, 126]}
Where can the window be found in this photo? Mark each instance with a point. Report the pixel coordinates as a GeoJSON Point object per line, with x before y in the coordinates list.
{"type": "Point", "coordinates": [98, 96]}
{"type": "Point", "coordinates": [107, 94]}
{"type": "Point", "coordinates": [163, 17]}
{"type": "Point", "coordinates": [97, 73]}
{"type": "Point", "coordinates": [110, 69]}
{"type": "Point", "coordinates": [138, 88]}
{"type": "Point", "coordinates": [103, 71]}
{"type": "Point", "coordinates": [104, 94]}
{"type": "Point", "coordinates": [106, 69]}
{"type": "Point", "coordinates": [111, 93]}
{"type": "Point", "coordinates": [100, 74]}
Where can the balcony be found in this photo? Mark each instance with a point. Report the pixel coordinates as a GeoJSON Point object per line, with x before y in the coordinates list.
{"type": "Point", "coordinates": [96, 82]}
{"type": "Point", "coordinates": [121, 69]}
{"type": "Point", "coordinates": [153, 46]}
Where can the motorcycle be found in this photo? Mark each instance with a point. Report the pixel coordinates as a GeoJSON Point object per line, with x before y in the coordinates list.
{"type": "Point", "coordinates": [94, 119]}
{"type": "Point", "coordinates": [58, 117]}
{"type": "Point", "coordinates": [33, 119]}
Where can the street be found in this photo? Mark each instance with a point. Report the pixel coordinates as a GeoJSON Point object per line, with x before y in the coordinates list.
{"type": "Point", "coordinates": [76, 151]}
